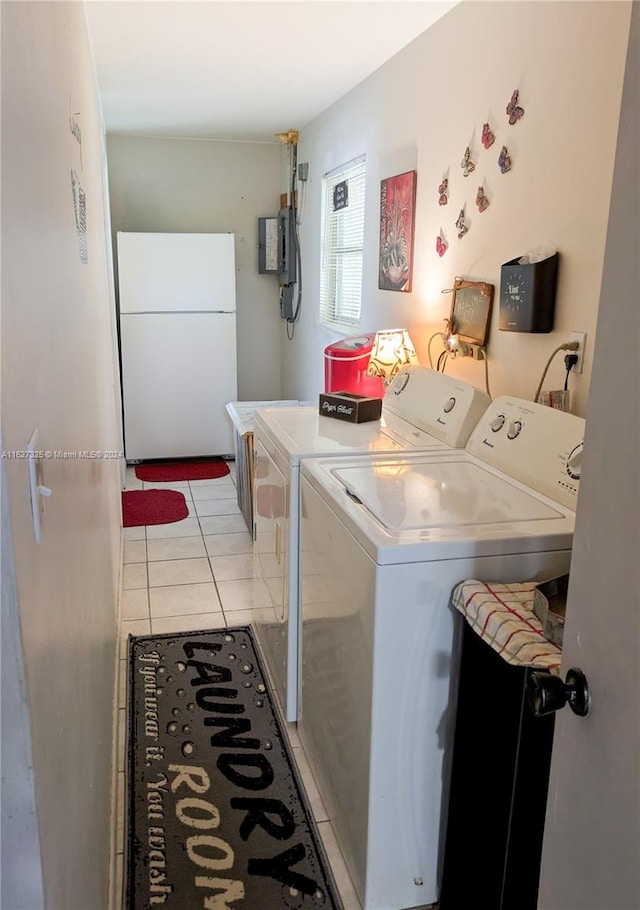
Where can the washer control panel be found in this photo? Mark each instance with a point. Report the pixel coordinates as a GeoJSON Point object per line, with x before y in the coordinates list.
{"type": "Point", "coordinates": [514, 429]}
{"type": "Point", "coordinates": [537, 445]}
{"type": "Point", "coordinates": [574, 462]}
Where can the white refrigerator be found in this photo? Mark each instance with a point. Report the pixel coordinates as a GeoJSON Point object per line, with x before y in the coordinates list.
{"type": "Point", "coordinates": [177, 303]}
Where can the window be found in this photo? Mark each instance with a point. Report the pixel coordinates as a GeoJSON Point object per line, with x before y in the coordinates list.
{"type": "Point", "coordinates": [342, 245]}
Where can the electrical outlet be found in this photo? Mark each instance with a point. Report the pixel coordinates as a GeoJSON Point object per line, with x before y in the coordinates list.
{"type": "Point", "coordinates": [476, 352]}
{"type": "Point", "coordinates": [581, 338]}
{"type": "Point", "coordinates": [458, 348]}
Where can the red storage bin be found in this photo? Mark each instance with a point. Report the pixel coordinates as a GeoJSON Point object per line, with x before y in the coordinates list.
{"type": "Point", "coordinates": [345, 367]}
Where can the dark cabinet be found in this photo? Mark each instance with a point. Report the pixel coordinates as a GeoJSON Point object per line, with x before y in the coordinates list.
{"type": "Point", "coordinates": [499, 782]}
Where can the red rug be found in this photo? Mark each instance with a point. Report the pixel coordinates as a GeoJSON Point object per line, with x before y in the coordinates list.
{"type": "Point", "coordinates": [170, 471]}
{"type": "Point", "coordinates": [152, 507]}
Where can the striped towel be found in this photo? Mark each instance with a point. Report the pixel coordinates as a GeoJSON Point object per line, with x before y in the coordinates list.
{"type": "Point", "coordinates": [502, 615]}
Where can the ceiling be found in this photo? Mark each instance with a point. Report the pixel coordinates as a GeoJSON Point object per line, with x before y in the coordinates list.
{"type": "Point", "coordinates": [240, 69]}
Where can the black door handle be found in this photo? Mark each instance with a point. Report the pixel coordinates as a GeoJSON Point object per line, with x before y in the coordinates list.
{"type": "Point", "coordinates": [547, 693]}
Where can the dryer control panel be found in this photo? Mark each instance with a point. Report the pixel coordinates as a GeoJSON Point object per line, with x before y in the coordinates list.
{"type": "Point", "coordinates": [537, 445]}
{"type": "Point", "coordinates": [439, 405]}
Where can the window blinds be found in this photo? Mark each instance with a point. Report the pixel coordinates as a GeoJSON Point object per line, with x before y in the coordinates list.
{"type": "Point", "coordinates": [342, 246]}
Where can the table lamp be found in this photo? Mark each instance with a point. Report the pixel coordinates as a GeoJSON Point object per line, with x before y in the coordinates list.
{"type": "Point", "coordinates": [392, 349]}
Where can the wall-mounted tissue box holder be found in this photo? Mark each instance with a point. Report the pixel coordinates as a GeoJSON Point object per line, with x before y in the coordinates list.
{"type": "Point", "coordinates": [347, 406]}
{"type": "Point", "coordinates": [528, 295]}
{"type": "Point", "coordinates": [549, 604]}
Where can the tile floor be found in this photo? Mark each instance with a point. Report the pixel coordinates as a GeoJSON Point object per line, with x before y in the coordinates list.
{"type": "Point", "coordinates": [198, 574]}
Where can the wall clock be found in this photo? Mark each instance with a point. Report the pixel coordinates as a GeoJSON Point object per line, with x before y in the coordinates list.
{"type": "Point", "coordinates": [528, 295]}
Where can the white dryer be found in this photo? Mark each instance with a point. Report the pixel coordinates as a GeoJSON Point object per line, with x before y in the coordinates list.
{"type": "Point", "coordinates": [422, 410]}
{"type": "Point", "coordinates": [384, 541]}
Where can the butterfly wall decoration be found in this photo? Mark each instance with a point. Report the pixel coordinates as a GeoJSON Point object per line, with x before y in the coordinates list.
{"type": "Point", "coordinates": [467, 164]}
{"type": "Point", "coordinates": [462, 227]}
{"type": "Point", "coordinates": [514, 110]}
{"type": "Point", "coordinates": [504, 161]}
{"type": "Point", "coordinates": [441, 245]}
{"type": "Point", "coordinates": [488, 136]}
{"type": "Point", "coordinates": [443, 192]}
{"type": "Point", "coordinates": [482, 200]}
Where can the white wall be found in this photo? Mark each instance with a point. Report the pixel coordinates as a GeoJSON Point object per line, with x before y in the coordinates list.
{"type": "Point", "coordinates": [198, 185]}
{"type": "Point", "coordinates": [21, 879]}
{"type": "Point", "coordinates": [58, 375]}
{"type": "Point", "coordinates": [420, 111]}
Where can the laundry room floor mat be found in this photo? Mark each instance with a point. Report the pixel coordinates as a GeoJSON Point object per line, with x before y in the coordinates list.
{"type": "Point", "coordinates": [152, 507]}
{"type": "Point", "coordinates": [216, 813]}
{"type": "Point", "coordinates": [168, 471]}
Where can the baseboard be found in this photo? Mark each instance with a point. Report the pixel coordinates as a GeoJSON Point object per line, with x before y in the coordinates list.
{"type": "Point", "coordinates": [115, 879]}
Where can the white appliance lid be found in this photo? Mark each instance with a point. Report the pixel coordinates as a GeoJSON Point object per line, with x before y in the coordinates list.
{"type": "Point", "coordinates": [242, 412]}
{"type": "Point", "coordinates": [300, 432]}
{"type": "Point", "coordinates": [430, 495]}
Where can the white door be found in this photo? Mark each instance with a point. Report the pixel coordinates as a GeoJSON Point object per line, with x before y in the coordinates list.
{"type": "Point", "coordinates": [591, 854]}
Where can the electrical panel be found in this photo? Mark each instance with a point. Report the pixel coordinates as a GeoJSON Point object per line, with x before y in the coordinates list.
{"type": "Point", "coordinates": [268, 245]}
{"type": "Point", "coordinates": [278, 254]}
{"type": "Point", "coordinates": [287, 245]}
{"type": "Point", "coordinates": [277, 246]}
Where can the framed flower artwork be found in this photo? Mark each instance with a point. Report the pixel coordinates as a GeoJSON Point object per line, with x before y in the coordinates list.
{"type": "Point", "coordinates": [397, 224]}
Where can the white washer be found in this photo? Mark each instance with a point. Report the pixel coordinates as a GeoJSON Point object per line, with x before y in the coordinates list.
{"type": "Point", "coordinates": [384, 541]}
{"type": "Point", "coordinates": [422, 410]}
